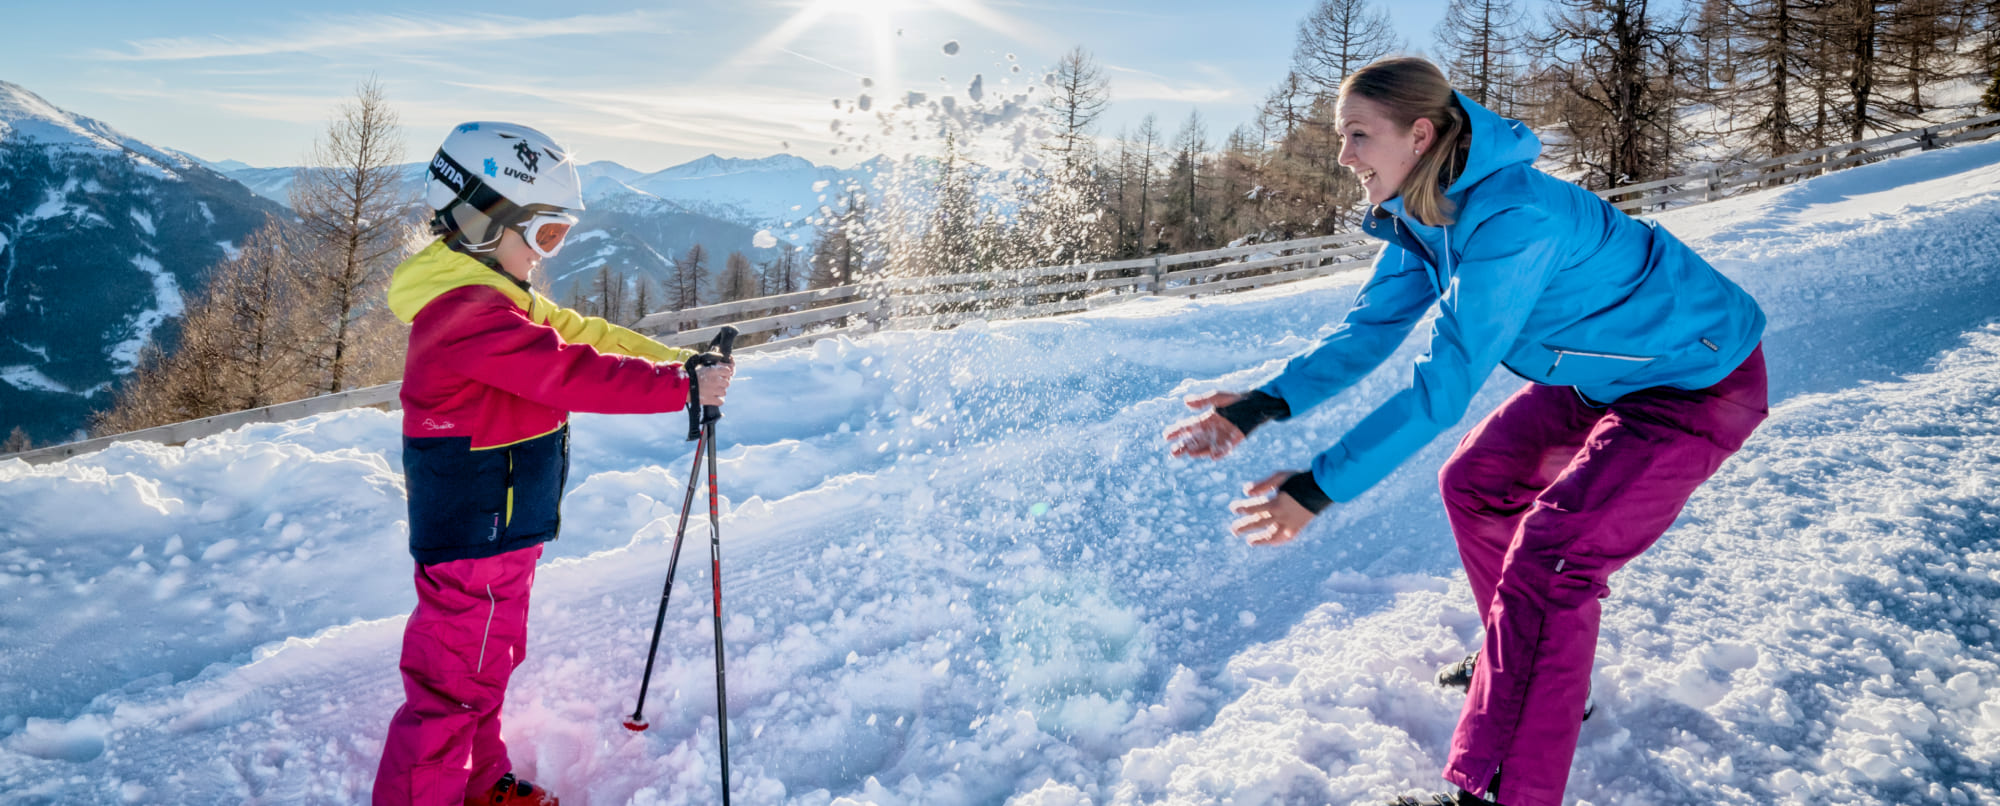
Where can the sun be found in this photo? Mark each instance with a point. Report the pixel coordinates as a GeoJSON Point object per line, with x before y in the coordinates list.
{"type": "Point", "coordinates": [881, 22]}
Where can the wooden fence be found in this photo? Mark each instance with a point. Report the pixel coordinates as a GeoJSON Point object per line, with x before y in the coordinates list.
{"type": "Point", "coordinates": [798, 319]}
{"type": "Point", "coordinates": [1716, 183]}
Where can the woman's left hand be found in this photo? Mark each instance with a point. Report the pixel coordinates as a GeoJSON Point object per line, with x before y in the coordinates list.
{"type": "Point", "coordinates": [1275, 518]}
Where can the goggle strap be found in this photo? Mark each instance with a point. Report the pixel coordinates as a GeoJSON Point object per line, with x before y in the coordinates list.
{"type": "Point", "coordinates": [470, 188]}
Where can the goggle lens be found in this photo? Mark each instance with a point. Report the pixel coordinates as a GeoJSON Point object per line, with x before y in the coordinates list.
{"type": "Point", "coordinates": [549, 236]}
{"type": "Point", "coordinates": [546, 231]}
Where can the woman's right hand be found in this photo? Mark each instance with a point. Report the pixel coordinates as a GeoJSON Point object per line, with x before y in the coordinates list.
{"type": "Point", "coordinates": [1207, 435]}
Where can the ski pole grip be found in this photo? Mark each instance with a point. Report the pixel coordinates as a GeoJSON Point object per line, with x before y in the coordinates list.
{"type": "Point", "coordinates": [725, 341]}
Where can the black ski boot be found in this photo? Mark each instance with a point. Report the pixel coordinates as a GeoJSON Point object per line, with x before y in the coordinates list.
{"type": "Point", "coordinates": [1458, 675]}
{"type": "Point", "coordinates": [1463, 798]}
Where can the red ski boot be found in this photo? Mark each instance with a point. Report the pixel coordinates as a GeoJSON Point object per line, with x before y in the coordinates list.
{"type": "Point", "coordinates": [511, 791]}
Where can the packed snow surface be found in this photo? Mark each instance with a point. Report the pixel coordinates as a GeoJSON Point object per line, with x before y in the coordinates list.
{"type": "Point", "coordinates": [960, 569]}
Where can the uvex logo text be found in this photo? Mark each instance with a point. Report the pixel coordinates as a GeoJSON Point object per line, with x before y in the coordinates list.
{"type": "Point", "coordinates": [509, 170]}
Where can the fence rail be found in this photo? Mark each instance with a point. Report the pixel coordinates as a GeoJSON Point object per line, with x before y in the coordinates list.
{"type": "Point", "coordinates": [803, 317]}
{"type": "Point", "coordinates": [1714, 184]}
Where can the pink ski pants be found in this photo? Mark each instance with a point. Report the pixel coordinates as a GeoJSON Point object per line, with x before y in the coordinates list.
{"type": "Point", "coordinates": [1547, 497]}
{"type": "Point", "coordinates": [468, 632]}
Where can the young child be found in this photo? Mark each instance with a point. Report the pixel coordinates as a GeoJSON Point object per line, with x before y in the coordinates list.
{"type": "Point", "coordinates": [493, 371]}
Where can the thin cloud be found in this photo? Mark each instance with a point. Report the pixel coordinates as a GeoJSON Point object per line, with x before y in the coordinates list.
{"type": "Point", "coordinates": [1156, 91]}
{"type": "Point", "coordinates": [1080, 9]}
{"type": "Point", "coordinates": [718, 118]}
{"type": "Point", "coordinates": [1144, 85]}
{"type": "Point", "coordinates": [821, 63]}
{"type": "Point", "coordinates": [283, 107]}
{"type": "Point", "coordinates": [1133, 70]}
{"type": "Point", "coordinates": [402, 30]}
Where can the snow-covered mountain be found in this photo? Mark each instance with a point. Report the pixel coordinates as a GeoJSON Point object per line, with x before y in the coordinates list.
{"type": "Point", "coordinates": [777, 193]}
{"type": "Point", "coordinates": [637, 222]}
{"type": "Point", "coordinates": [960, 572]}
{"type": "Point", "coordinates": [101, 235]}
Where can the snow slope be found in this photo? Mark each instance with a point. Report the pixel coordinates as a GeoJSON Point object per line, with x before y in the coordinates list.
{"type": "Point", "coordinates": [960, 569]}
{"type": "Point", "coordinates": [25, 116]}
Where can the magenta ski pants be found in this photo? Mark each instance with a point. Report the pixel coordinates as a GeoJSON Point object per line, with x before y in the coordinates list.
{"type": "Point", "coordinates": [1547, 497]}
{"type": "Point", "coordinates": [468, 632]}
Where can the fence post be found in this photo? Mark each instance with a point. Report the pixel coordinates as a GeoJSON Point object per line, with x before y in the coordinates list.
{"type": "Point", "coordinates": [1928, 137]}
{"type": "Point", "coordinates": [1714, 185]}
{"type": "Point", "coordinates": [1159, 275]}
{"type": "Point", "coordinates": [879, 317]}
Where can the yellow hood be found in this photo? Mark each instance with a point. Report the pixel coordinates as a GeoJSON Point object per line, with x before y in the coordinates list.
{"type": "Point", "coordinates": [430, 273]}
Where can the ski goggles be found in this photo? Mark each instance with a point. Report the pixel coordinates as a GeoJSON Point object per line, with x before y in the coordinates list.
{"type": "Point", "coordinates": [545, 231]}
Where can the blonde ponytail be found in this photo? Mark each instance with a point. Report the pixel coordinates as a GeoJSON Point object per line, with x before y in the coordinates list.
{"type": "Point", "coordinates": [1410, 88]}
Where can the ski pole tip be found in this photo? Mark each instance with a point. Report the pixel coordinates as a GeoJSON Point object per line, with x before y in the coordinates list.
{"type": "Point", "coordinates": [637, 724]}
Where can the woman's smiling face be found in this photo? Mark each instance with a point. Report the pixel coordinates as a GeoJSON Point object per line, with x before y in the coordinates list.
{"type": "Point", "coordinates": [1378, 151]}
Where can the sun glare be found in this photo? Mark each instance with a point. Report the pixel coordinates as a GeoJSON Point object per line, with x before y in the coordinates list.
{"type": "Point", "coordinates": [878, 23]}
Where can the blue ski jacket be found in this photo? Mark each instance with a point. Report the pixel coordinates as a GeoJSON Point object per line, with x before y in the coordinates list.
{"type": "Point", "coordinates": [1536, 274]}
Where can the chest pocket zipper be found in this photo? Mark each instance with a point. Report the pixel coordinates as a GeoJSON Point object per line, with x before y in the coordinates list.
{"type": "Point", "coordinates": [1614, 356]}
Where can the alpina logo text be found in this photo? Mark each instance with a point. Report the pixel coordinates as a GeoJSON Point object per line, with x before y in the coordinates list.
{"type": "Point", "coordinates": [451, 174]}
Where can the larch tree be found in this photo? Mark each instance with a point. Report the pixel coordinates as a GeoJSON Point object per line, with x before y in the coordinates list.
{"type": "Point", "coordinates": [1063, 218]}
{"type": "Point", "coordinates": [17, 441]}
{"type": "Point", "coordinates": [690, 277]}
{"type": "Point", "coordinates": [739, 279]}
{"type": "Point", "coordinates": [1338, 37]}
{"type": "Point", "coordinates": [351, 202]}
{"type": "Point", "coordinates": [1187, 177]}
{"type": "Point", "coordinates": [1149, 149]}
{"type": "Point", "coordinates": [1608, 54]}
{"type": "Point", "coordinates": [247, 341]}
{"type": "Point", "coordinates": [1479, 43]}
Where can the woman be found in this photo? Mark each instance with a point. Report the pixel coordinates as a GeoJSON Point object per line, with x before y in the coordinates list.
{"type": "Point", "coordinates": [1645, 373]}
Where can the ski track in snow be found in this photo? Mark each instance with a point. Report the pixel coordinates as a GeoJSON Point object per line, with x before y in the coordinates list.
{"type": "Point", "coordinates": [960, 569]}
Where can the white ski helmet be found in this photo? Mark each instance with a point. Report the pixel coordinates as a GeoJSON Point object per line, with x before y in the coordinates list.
{"type": "Point", "coordinates": [488, 176]}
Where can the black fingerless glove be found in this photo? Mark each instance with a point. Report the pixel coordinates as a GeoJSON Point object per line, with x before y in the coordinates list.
{"type": "Point", "coordinates": [707, 359]}
{"type": "Point", "coordinates": [1303, 489]}
{"type": "Point", "coordinates": [1253, 410]}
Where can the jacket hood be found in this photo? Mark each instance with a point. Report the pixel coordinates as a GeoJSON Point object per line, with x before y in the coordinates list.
{"type": "Point", "coordinates": [1497, 142]}
{"type": "Point", "coordinates": [430, 273]}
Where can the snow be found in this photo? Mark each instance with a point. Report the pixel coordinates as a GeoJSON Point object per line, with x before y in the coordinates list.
{"type": "Point", "coordinates": [145, 222]}
{"type": "Point", "coordinates": [41, 351]}
{"type": "Point", "coordinates": [167, 303]}
{"type": "Point", "coordinates": [26, 116]}
{"type": "Point", "coordinates": [28, 377]}
{"type": "Point", "coordinates": [55, 202]}
{"type": "Point", "coordinates": [959, 571]}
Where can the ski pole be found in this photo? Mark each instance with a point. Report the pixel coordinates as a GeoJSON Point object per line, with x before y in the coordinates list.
{"type": "Point", "coordinates": [709, 414]}
{"type": "Point", "coordinates": [724, 339]}
{"type": "Point", "coordinates": [637, 721]}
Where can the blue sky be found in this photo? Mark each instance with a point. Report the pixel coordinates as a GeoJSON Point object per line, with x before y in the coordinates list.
{"type": "Point", "coordinates": [646, 85]}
